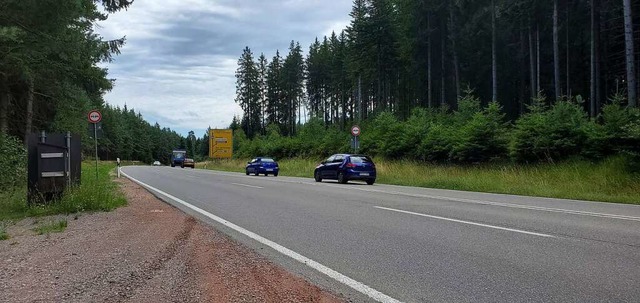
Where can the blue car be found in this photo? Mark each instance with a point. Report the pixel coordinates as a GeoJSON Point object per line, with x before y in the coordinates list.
{"type": "Point", "coordinates": [262, 165]}
{"type": "Point", "coordinates": [346, 167]}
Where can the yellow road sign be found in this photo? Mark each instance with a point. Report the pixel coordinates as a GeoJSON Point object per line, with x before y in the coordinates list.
{"type": "Point", "coordinates": [221, 143]}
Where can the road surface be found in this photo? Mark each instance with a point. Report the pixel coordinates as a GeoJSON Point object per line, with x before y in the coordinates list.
{"type": "Point", "coordinates": [403, 244]}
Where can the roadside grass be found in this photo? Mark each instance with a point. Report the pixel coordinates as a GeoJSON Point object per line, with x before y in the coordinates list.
{"type": "Point", "coordinates": [3, 231]}
{"type": "Point", "coordinates": [605, 181]}
{"type": "Point", "coordinates": [51, 227]}
{"type": "Point", "coordinates": [288, 167]}
{"type": "Point", "coordinates": [92, 194]}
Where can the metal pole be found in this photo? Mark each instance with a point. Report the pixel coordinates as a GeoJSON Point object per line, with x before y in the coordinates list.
{"type": "Point", "coordinates": [68, 162]}
{"type": "Point", "coordinates": [95, 137]}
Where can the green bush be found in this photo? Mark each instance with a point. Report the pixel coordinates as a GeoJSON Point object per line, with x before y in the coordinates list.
{"type": "Point", "coordinates": [550, 134]}
{"type": "Point", "coordinates": [482, 137]}
{"type": "Point", "coordinates": [13, 163]}
{"type": "Point", "coordinates": [382, 137]}
{"type": "Point", "coordinates": [437, 143]}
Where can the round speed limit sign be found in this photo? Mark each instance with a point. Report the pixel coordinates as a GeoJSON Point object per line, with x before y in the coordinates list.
{"type": "Point", "coordinates": [355, 130]}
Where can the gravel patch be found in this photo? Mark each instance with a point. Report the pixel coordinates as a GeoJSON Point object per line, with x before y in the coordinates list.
{"type": "Point", "coordinates": [147, 251]}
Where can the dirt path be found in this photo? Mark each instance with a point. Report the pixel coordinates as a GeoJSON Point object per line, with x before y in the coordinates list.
{"type": "Point", "coordinates": [145, 252]}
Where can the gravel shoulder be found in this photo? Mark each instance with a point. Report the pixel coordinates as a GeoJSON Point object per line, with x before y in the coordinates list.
{"type": "Point", "coordinates": [147, 251]}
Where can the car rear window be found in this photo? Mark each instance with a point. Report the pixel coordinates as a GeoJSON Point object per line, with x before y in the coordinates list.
{"type": "Point", "coordinates": [267, 160]}
{"type": "Point", "coordinates": [360, 159]}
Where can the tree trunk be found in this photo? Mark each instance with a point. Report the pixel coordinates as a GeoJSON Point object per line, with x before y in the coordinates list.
{"type": "Point", "coordinates": [4, 106]}
{"type": "Point", "coordinates": [443, 98]}
{"type": "Point", "coordinates": [532, 63]}
{"type": "Point", "coordinates": [522, 71]}
{"type": "Point", "coordinates": [568, 91]}
{"type": "Point", "coordinates": [494, 67]}
{"type": "Point", "coordinates": [29, 119]}
{"type": "Point", "coordinates": [452, 36]}
{"type": "Point", "coordinates": [556, 51]}
{"type": "Point", "coordinates": [628, 35]}
{"type": "Point", "coordinates": [593, 111]}
{"type": "Point", "coordinates": [429, 79]}
{"type": "Point", "coordinates": [359, 99]}
{"type": "Point", "coordinates": [537, 60]}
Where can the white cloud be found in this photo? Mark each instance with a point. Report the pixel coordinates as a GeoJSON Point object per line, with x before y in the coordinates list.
{"type": "Point", "coordinates": [178, 66]}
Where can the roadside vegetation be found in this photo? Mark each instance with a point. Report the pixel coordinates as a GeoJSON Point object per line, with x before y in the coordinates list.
{"type": "Point", "coordinates": [93, 194]}
{"type": "Point", "coordinates": [552, 151]}
{"type": "Point", "coordinates": [51, 227]}
{"type": "Point", "coordinates": [3, 231]}
{"type": "Point", "coordinates": [606, 181]}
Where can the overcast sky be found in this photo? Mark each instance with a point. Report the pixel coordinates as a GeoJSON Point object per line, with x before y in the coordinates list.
{"type": "Point", "coordinates": [178, 65]}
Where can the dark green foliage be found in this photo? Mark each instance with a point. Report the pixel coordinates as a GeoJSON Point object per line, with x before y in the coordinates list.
{"type": "Point", "coordinates": [437, 143]}
{"type": "Point", "coordinates": [482, 137]}
{"type": "Point", "coordinates": [383, 137]}
{"type": "Point", "coordinates": [472, 134]}
{"type": "Point", "coordinates": [13, 163]}
{"type": "Point", "coordinates": [126, 135]}
{"type": "Point", "coordinates": [548, 135]}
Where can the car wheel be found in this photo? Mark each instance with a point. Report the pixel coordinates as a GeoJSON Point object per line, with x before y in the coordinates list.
{"type": "Point", "coordinates": [341, 178]}
{"type": "Point", "coordinates": [371, 181]}
{"type": "Point", "coordinates": [317, 177]}
{"type": "Point", "coordinates": [173, 165]}
{"type": "Point", "coordinates": [275, 175]}
{"type": "Point", "coordinates": [246, 171]}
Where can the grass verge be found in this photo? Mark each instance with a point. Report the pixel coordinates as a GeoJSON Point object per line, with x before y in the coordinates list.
{"type": "Point", "coordinates": [51, 227]}
{"type": "Point", "coordinates": [100, 194]}
{"type": "Point", "coordinates": [605, 181]}
{"type": "Point", "coordinates": [3, 232]}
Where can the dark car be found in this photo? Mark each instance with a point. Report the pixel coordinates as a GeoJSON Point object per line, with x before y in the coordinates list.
{"type": "Point", "coordinates": [346, 167]}
{"type": "Point", "coordinates": [262, 165]}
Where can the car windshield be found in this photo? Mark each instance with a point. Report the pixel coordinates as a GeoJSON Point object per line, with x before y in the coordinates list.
{"type": "Point", "coordinates": [360, 159]}
{"type": "Point", "coordinates": [178, 155]}
{"type": "Point", "coordinates": [267, 160]}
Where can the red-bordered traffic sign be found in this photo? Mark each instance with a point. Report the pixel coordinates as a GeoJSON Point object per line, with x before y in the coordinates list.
{"type": "Point", "coordinates": [355, 130]}
{"type": "Point", "coordinates": [94, 116]}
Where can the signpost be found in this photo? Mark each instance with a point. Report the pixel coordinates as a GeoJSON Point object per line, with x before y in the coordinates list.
{"type": "Point", "coordinates": [220, 143]}
{"type": "Point", "coordinates": [95, 117]}
{"type": "Point", "coordinates": [355, 132]}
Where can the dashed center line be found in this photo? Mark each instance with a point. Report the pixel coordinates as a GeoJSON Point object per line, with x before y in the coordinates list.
{"type": "Point", "coordinates": [468, 222]}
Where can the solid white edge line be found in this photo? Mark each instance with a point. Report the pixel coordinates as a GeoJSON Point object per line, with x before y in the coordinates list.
{"type": "Point", "coordinates": [247, 185]}
{"type": "Point", "coordinates": [358, 286]}
{"type": "Point", "coordinates": [467, 222]}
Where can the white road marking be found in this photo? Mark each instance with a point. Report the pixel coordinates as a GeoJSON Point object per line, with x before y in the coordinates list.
{"type": "Point", "coordinates": [247, 185]}
{"type": "Point", "coordinates": [358, 286]}
{"type": "Point", "coordinates": [511, 205]}
{"type": "Point", "coordinates": [468, 222]}
{"type": "Point", "coordinates": [463, 200]}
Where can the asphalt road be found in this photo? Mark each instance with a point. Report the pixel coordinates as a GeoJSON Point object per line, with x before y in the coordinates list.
{"type": "Point", "coordinates": [422, 245]}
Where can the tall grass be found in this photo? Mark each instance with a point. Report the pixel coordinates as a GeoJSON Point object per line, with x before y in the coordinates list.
{"type": "Point", "coordinates": [606, 181]}
{"type": "Point", "coordinates": [100, 194]}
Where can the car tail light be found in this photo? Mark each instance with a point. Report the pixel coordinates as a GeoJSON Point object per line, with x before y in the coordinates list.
{"type": "Point", "coordinates": [351, 165]}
